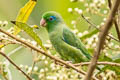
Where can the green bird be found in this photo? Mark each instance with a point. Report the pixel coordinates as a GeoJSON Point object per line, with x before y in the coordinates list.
{"type": "Point", "coordinates": [66, 43]}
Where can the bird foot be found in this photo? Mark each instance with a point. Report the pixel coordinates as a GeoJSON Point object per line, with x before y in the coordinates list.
{"type": "Point", "coordinates": [69, 62]}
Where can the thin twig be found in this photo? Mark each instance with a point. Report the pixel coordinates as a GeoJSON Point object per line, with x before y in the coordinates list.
{"type": "Point", "coordinates": [115, 21]}
{"type": "Point", "coordinates": [45, 53]}
{"type": "Point", "coordinates": [112, 48]}
{"type": "Point", "coordinates": [117, 29]}
{"type": "Point", "coordinates": [95, 26]}
{"type": "Point", "coordinates": [102, 36]}
{"type": "Point", "coordinates": [33, 65]}
{"type": "Point", "coordinates": [4, 55]}
{"type": "Point", "coordinates": [99, 63]}
{"type": "Point", "coordinates": [92, 24]}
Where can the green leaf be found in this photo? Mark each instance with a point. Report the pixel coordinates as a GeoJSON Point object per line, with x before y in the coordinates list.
{"type": "Point", "coordinates": [117, 60]}
{"type": "Point", "coordinates": [29, 31]}
{"type": "Point", "coordinates": [89, 34]}
{"type": "Point", "coordinates": [24, 14]}
{"type": "Point", "coordinates": [116, 56]}
{"type": "Point", "coordinates": [91, 51]}
{"type": "Point", "coordinates": [105, 58]}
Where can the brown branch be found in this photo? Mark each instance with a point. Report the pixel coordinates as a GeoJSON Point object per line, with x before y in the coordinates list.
{"type": "Point", "coordinates": [4, 55]}
{"type": "Point", "coordinates": [45, 53]}
{"type": "Point", "coordinates": [102, 36]}
{"type": "Point", "coordinates": [119, 16]}
{"type": "Point", "coordinates": [109, 4]}
{"type": "Point", "coordinates": [115, 21]}
{"type": "Point", "coordinates": [117, 29]}
{"type": "Point", "coordinates": [99, 63]}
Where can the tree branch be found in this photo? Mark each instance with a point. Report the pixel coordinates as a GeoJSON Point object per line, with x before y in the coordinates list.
{"type": "Point", "coordinates": [102, 36]}
{"type": "Point", "coordinates": [119, 17]}
{"type": "Point", "coordinates": [70, 65]}
{"type": "Point", "coordinates": [115, 21]}
{"type": "Point", "coordinates": [109, 4]}
{"type": "Point", "coordinates": [99, 63]}
{"type": "Point", "coordinates": [4, 55]}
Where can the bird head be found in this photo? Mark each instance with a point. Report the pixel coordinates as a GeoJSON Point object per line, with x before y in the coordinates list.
{"type": "Point", "coordinates": [50, 19]}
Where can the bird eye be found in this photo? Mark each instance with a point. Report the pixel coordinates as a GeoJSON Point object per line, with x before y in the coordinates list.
{"type": "Point", "coordinates": [52, 18]}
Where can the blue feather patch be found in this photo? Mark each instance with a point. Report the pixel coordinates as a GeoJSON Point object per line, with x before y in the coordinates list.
{"type": "Point", "coordinates": [53, 17]}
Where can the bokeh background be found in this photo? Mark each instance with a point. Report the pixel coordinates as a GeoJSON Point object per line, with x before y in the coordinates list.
{"type": "Point", "coordinates": [9, 10]}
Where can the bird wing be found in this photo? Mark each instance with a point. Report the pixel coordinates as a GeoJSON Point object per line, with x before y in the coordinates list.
{"type": "Point", "coordinates": [70, 38]}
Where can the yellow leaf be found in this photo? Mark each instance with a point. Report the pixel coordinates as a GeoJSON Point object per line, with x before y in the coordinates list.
{"type": "Point", "coordinates": [24, 14]}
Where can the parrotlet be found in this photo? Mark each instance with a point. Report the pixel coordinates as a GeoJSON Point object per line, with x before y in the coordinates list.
{"type": "Point", "coordinates": [65, 42]}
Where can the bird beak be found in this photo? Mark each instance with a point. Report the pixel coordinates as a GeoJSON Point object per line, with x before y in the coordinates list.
{"type": "Point", "coordinates": [43, 22]}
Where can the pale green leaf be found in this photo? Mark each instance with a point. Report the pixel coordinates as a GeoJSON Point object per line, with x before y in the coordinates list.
{"type": "Point", "coordinates": [89, 34]}
{"type": "Point", "coordinates": [29, 30]}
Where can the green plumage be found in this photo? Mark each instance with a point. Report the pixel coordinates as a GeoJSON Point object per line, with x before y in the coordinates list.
{"type": "Point", "coordinates": [66, 43]}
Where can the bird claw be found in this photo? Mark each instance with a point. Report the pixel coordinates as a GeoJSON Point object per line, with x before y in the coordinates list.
{"type": "Point", "coordinates": [69, 62]}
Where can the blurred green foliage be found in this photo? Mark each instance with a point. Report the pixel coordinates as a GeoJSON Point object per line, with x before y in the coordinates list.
{"type": "Point", "coordinates": [20, 55]}
{"type": "Point", "coordinates": [9, 10]}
